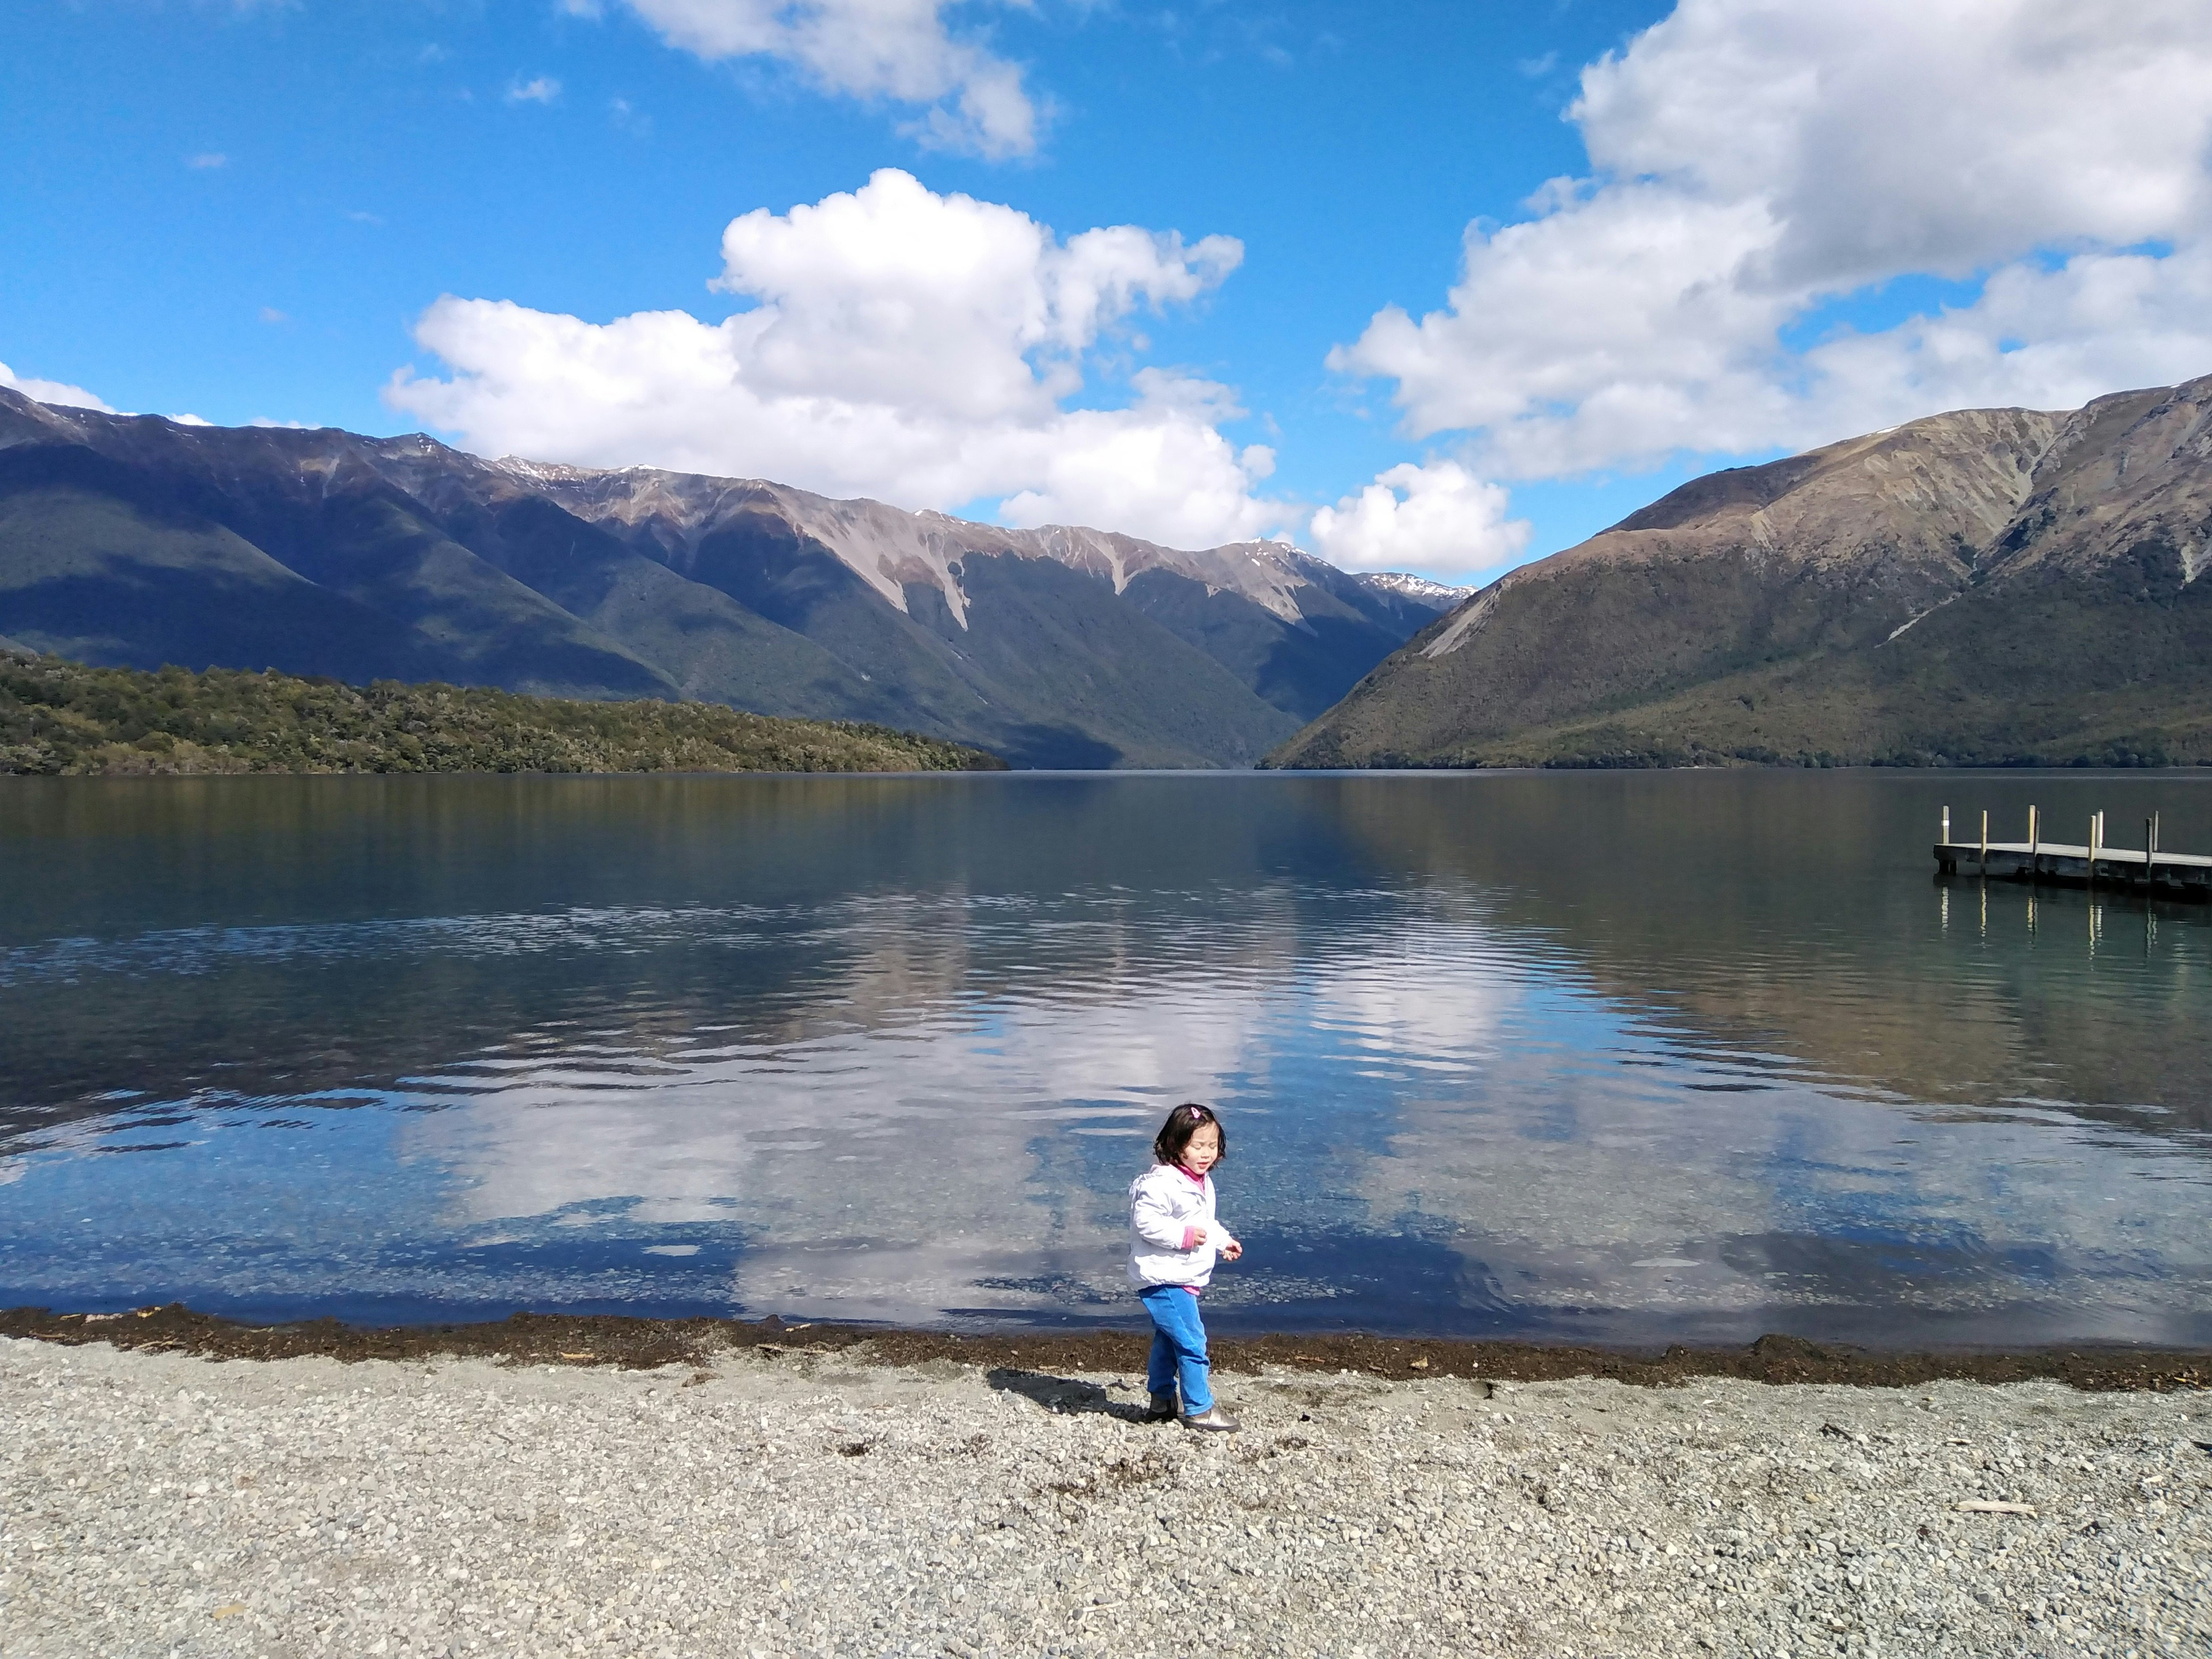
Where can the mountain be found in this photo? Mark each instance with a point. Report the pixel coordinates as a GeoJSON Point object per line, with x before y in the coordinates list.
{"type": "Point", "coordinates": [1991, 586]}
{"type": "Point", "coordinates": [134, 541]}
{"type": "Point", "coordinates": [1416, 590]}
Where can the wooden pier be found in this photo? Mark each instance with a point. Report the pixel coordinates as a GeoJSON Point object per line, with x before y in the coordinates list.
{"type": "Point", "coordinates": [2148, 870]}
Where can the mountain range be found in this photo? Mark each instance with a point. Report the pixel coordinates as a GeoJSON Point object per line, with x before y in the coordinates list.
{"type": "Point", "coordinates": [136, 542]}
{"type": "Point", "coordinates": [1991, 586]}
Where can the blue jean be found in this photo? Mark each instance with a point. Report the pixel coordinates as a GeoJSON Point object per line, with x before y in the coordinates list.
{"type": "Point", "coordinates": [1178, 1347]}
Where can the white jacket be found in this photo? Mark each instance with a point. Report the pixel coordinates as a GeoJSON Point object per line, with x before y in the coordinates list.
{"type": "Point", "coordinates": [1164, 1203]}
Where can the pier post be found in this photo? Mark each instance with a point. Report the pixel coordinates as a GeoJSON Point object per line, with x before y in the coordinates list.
{"type": "Point", "coordinates": [2100, 866]}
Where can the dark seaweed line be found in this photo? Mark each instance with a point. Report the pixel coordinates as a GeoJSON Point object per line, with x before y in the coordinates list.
{"type": "Point", "coordinates": [635, 1343]}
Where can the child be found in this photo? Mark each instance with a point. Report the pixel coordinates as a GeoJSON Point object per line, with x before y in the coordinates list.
{"type": "Point", "coordinates": [1173, 1240]}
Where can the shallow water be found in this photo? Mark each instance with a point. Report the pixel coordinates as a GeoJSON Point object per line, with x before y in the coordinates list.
{"type": "Point", "coordinates": [1616, 1057]}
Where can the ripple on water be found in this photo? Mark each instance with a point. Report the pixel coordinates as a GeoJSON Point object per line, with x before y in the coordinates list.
{"type": "Point", "coordinates": [1487, 1068]}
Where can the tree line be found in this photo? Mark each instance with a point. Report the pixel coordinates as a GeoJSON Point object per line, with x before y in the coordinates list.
{"type": "Point", "coordinates": [59, 717]}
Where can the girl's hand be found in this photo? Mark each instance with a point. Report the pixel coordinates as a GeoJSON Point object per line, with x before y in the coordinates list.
{"type": "Point", "coordinates": [1231, 1250]}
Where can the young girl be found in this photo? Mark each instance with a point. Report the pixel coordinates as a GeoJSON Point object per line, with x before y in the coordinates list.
{"type": "Point", "coordinates": [1173, 1241]}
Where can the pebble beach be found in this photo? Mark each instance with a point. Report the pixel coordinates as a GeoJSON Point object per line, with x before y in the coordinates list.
{"type": "Point", "coordinates": [796, 1502]}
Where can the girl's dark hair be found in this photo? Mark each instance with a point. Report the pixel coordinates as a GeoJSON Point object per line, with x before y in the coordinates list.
{"type": "Point", "coordinates": [1186, 1121]}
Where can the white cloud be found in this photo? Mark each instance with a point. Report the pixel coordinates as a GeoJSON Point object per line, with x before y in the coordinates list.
{"type": "Point", "coordinates": [541, 89]}
{"type": "Point", "coordinates": [52, 392]}
{"type": "Point", "coordinates": [1755, 159]}
{"type": "Point", "coordinates": [207, 160]}
{"type": "Point", "coordinates": [2050, 338]}
{"type": "Point", "coordinates": [913, 347]}
{"type": "Point", "coordinates": [1437, 517]}
{"type": "Point", "coordinates": [900, 51]}
{"type": "Point", "coordinates": [1919, 135]}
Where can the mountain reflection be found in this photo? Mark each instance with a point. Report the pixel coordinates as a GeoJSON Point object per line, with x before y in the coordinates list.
{"type": "Point", "coordinates": [1619, 1058]}
{"type": "Point", "coordinates": [1772, 912]}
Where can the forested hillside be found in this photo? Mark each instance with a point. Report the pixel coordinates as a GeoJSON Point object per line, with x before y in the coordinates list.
{"type": "Point", "coordinates": [63, 717]}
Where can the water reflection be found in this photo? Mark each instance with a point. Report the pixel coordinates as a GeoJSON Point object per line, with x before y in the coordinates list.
{"type": "Point", "coordinates": [1624, 1058]}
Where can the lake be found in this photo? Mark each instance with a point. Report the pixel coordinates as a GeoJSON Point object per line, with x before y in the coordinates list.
{"type": "Point", "coordinates": [1616, 1057]}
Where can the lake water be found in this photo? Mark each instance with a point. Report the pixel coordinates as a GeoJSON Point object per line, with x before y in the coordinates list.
{"type": "Point", "coordinates": [1615, 1057]}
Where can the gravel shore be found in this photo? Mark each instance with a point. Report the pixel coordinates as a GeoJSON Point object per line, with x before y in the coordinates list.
{"type": "Point", "coordinates": [818, 1504]}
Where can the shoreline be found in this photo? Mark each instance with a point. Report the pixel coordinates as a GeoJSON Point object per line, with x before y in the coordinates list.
{"type": "Point", "coordinates": [630, 1343]}
{"type": "Point", "coordinates": [786, 1499]}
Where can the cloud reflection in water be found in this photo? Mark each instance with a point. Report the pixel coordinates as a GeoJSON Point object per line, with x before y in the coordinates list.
{"type": "Point", "coordinates": [900, 1060]}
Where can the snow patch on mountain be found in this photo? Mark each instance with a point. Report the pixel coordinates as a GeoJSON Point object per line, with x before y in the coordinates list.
{"type": "Point", "coordinates": [1437, 596]}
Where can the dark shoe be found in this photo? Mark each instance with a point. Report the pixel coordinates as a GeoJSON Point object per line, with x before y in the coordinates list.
{"type": "Point", "coordinates": [1163, 1408]}
{"type": "Point", "coordinates": [1214, 1419]}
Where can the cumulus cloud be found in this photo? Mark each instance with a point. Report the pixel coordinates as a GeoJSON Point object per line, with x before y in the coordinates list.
{"type": "Point", "coordinates": [52, 392]}
{"type": "Point", "coordinates": [899, 51]}
{"type": "Point", "coordinates": [539, 89]}
{"type": "Point", "coordinates": [1755, 160]}
{"type": "Point", "coordinates": [1437, 517]}
{"type": "Point", "coordinates": [207, 160]}
{"type": "Point", "coordinates": [901, 345]}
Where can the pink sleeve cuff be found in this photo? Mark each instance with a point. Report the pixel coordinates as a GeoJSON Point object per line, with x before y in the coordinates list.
{"type": "Point", "coordinates": [1191, 1238]}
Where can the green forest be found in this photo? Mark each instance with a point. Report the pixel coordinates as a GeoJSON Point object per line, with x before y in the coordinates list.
{"type": "Point", "coordinates": [59, 717]}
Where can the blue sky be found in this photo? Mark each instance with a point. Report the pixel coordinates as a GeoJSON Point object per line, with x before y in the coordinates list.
{"type": "Point", "coordinates": [253, 211]}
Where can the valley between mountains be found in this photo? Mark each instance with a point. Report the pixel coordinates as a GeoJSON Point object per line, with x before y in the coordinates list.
{"type": "Point", "coordinates": [138, 541]}
{"type": "Point", "coordinates": [1984, 587]}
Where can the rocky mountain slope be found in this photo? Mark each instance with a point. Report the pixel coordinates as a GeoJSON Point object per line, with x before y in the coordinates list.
{"type": "Point", "coordinates": [133, 541]}
{"type": "Point", "coordinates": [1988, 586]}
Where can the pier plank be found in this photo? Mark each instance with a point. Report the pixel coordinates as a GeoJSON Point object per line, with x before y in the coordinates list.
{"type": "Point", "coordinates": [2062, 864]}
